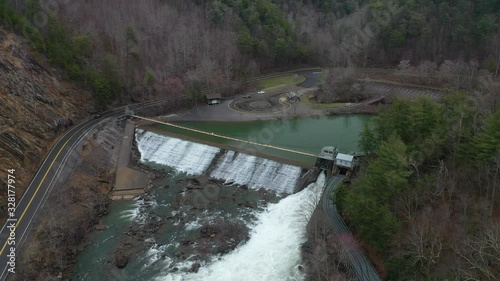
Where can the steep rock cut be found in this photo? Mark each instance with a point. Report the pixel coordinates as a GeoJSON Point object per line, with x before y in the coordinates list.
{"type": "Point", "coordinates": [36, 106]}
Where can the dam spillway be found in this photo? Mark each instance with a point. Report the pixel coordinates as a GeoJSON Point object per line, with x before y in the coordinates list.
{"type": "Point", "coordinates": [233, 167]}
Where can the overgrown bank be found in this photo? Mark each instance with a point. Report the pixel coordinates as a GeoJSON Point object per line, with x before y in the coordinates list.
{"type": "Point", "coordinates": [322, 255]}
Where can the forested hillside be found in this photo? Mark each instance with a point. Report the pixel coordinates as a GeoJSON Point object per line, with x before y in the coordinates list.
{"type": "Point", "coordinates": [427, 201]}
{"type": "Point", "coordinates": [142, 49]}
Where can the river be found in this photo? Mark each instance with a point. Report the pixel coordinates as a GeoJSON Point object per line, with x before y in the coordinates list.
{"type": "Point", "coordinates": [276, 227]}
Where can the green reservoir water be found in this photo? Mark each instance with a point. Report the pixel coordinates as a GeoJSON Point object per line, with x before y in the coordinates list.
{"type": "Point", "coordinates": [302, 134]}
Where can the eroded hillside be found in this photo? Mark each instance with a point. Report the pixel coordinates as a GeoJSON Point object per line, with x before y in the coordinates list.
{"type": "Point", "coordinates": [36, 106]}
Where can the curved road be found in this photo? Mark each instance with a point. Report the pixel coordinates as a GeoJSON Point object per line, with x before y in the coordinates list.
{"type": "Point", "coordinates": [312, 77]}
{"type": "Point", "coordinates": [30, 203]}
{"type": "Point", "coordinates": [360, 264]}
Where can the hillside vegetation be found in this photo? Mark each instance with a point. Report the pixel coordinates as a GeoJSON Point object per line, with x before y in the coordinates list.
{"type": "Point", "coordinates": [150, 48]}
{"type": "Point", "coordinates": [427, 199]}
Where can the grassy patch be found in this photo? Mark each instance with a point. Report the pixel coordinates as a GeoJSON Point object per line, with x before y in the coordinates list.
{"type": "Point", "coordinates": [307, 101]}
{"type": "Point", "coordinates": [284, 80]}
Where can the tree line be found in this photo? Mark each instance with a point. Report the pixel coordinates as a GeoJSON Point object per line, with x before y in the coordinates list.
{"type": "Point", "coordinates": [69, 51]}
{"type": "Point", "coordinates": [152, 48]}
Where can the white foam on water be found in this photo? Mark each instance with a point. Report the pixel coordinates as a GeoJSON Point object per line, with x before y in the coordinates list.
{"type": "Point", "coordinates": [130, 214]}
{"type": "Point", "coordinates": [133, 214]}
{"type": "Point", "coordinates": [256, 172]}
{"type": "Point", "coordinates": [183, 156]}
{"type": "Point", "coordinates": [273, 251]}
{"type": "Point", "coordinates": [154, 254]}
{"type": "Point", "coordinates": [192, 225]}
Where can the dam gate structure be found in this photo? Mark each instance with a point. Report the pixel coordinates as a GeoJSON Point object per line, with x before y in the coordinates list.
{"type": "Point", "coordinates": [329, 159]}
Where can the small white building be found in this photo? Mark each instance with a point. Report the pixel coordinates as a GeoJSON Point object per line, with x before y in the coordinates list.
{"type": "Point", "coordinates": [328, 153]}
{"type": "Point", "coordinates": [344, 161]}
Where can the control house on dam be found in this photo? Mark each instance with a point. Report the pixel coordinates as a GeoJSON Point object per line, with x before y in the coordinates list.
{"type": "Point", "coordinates": [335, 163]}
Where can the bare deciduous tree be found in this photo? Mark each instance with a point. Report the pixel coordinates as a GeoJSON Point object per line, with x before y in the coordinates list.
{"type": "Point", "coordinates": [408, 204]}
{"type": "Point", "coordinates": [494, 172]}
{"type": "Point", "coordinates": [495, 46]}
{"type": "Point", "coordinates": [482, 254]}
{"type": "Point", "coordinates": [404, 67]}
{"type": "Point", "coordinates": [425, 240]}
{"type": "Point", "coordinates": [341, 85]}
{"type": "Point", "coordinates": [426, 70]}
{"type": "Point", "coordinates": [459, 74]}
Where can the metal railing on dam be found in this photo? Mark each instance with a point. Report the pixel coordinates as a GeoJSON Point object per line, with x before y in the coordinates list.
{"type": "Point", "coordinates": [359, 262]}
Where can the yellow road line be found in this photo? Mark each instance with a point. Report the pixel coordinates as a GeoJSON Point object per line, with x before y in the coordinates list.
{"type": "Point", "coordinates": [234, 109]}
{"type": "Point", "coordinates": [286, 103]}
{"type": "Point", "coordinates": [225, 137]}
{"type": "Point", "coordinates": [38, 187]}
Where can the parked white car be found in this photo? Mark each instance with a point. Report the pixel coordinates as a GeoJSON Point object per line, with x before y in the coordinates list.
{"type": "Point", "coordinates": [261, 92]}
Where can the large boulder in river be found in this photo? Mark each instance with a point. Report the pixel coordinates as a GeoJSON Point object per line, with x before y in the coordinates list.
{"type": "Point", "coordinates": [221, 237]}
{"type": "Point", "coordinates": [193, 183]}
{"type": "Point", "coordinates": [100, 227]}
{"type": "Point", "coordinates": [195, 267]}
{"type": "Point", "coordinates": [121, 260]}
{"type": "Point", "coordinates": [248, 204]}
{"type": "Point", "coordinates": [207, 231]}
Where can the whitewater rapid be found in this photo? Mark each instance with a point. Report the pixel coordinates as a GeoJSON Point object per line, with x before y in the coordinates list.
{"type": "Point", "coordinates": [273, 251]}
{"type": "Point", "coordinates": [239, 168]}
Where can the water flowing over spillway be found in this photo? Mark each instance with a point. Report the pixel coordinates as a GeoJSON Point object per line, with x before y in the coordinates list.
{"type": "Point", "coordinates": [275, 224]}
{"type": "Point", "coordinates": [184, 156]}
{"type": "Point", "coordinates": [256, 172]}
{"type": "Point", "coordinates": [239, 168]}
{"type": "Point", "coordinates": [273, 251]}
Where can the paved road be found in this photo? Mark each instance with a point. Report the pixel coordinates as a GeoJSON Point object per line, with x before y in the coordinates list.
{"type": "Point", "coordinates": [37, 190]}
{"type": "Point", "coordinates": [312, 77]}
{"type": "Point", "coordinates": [360, 264]}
